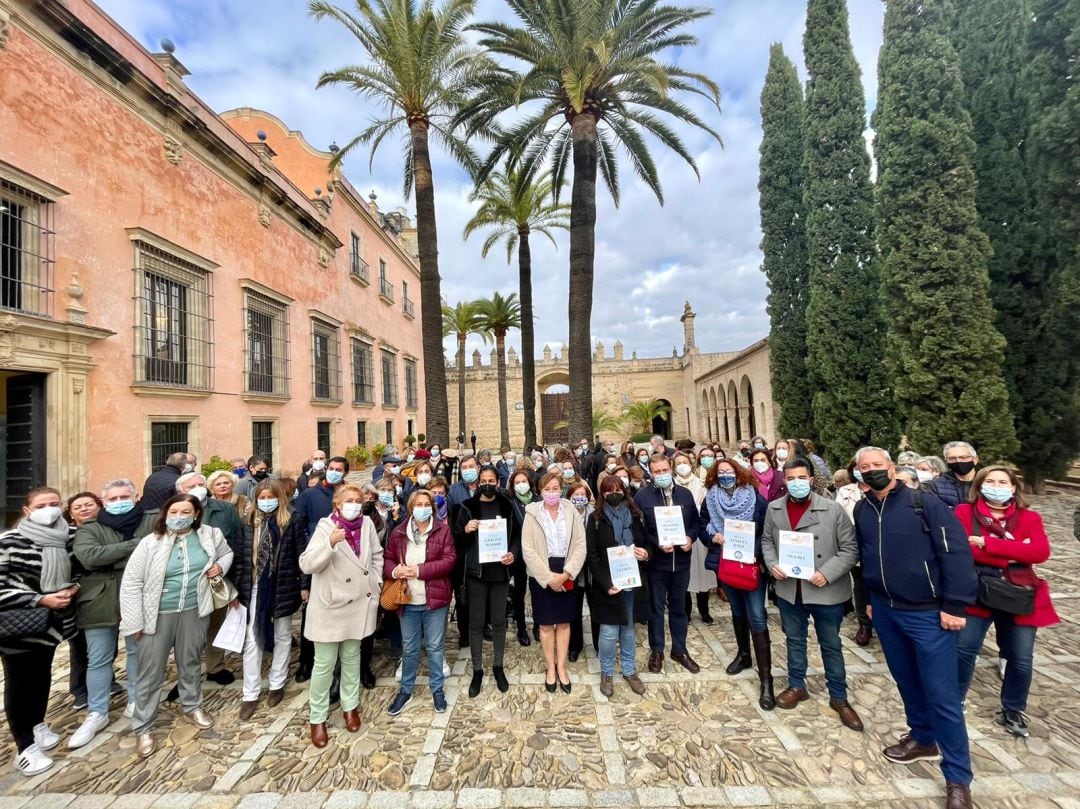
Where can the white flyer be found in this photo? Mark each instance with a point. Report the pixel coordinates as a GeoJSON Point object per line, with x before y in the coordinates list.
{"type": "Point", "coordinates": [623, 565]}
{"type": "Point", "coordinates": [670, 529]}
{"type": "Point", "coordinates": [795, 551]}
{"type": "Point", "coordinates": [739, 541]}
{"type": "Point", "coordinates": [491, 540]}
{"type": "Point", "coordinates": [233, 629]}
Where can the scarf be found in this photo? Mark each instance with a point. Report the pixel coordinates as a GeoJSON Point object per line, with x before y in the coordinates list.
{"type": "Point", "coordinates": [443, 510]}
{"type": "Point", "coordinates": [621, 519]}
{"type": "Point", "coordinates": [983, 517]}
{"type": "Point", "coordinates": [764, 482]}
{"type": "Point", "coordinates": [52, 542]}
{"type": "Point", "coordinates": [124, 524]}
{"type": "Point", "coordinates": [351, 529]}
{"type": "Point", "coordinates": [736, 505]}
{"type": "Point", "coordinates": [269, 535]}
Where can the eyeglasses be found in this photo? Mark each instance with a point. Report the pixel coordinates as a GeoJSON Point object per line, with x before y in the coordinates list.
{"type": "Point", "coordinates": [961, 458]}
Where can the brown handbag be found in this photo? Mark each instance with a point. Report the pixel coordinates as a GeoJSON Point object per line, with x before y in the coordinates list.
{"type": "Point", "coordinates": [394, 595]}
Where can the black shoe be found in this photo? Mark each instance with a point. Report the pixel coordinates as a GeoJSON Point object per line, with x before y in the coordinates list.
{"type": "Point", "coordinates": [367, 679]}
{"type": "Point", "coordinates": [536, 633]}
{"type": "Point", "coordinates": [573, 656]}
{"type": "Point", "coordinates": [703, 609]}
{"type": "Point", "coordinates": [303, 674]}
{"type": "Point", "coordinates": [223, 677]}
{"type": "Point", "coordinates": [1015, 722]}
{"type": "Point", "coordinates": [500, 679]}
{"type": "Point", "coordinates": [566, 687]}
{"type": "Point", "coordinates": [173, 695]}
{"type": "Point", "coordinates": [523, 637]}
{"type": "Point", "coordinates": [552, 685]}
{"type": "Point", "coordinates": [476, 684]}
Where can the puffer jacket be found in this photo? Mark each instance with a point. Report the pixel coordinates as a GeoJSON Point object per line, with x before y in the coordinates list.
{"type": "Point", "coordinates": [952, 492]}
{"type": "Point", "coordinates": [103, 553]}
{"type": "Point", "coordinates": [285, 567]}
{"type": "Point", "coordinates": [435, 572]}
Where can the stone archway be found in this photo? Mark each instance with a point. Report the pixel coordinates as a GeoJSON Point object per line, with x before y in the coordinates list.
{"type": "Point", "coordinates": [746, 395]}
{"type": "Point", "coordinates": [662, 426]}
{"type": "Point", "coordinates": [733, 412]}
{"type": "Point", "coordinates": [721, 416]}
{"type": "Point", "coordinates": [554, 407]}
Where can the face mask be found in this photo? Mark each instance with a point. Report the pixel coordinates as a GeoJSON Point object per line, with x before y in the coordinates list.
{"type": "Point", "coordinates": [741, 461]}
{"type": "Point", "coordinates": [643, 460]}
{"type": "Point", "coordinates": [367, 508]}
{"type": "Point", "coordinates": [582, 450]}
{"type": "Point", "coordinates": [392, 470]}
{"type": "Point", "coordinates": [240, 472]}
{"type": "Point", "coordinates": [469, 475]}
{"type": "Point", "coordinates": [996, 494]}
{"type": "Point", "coordinates": [440, 500]}
{"type": "Point", "coordinates": [334, 477]}
{"type": "Point", "coordinates": [858, 476]}
{"type": "Point", "coordinates": [522, 487]}
{"type": "Point", "coordinates": [876, 479]}
{"type": "Point", "coordinates": [924, 476]}
{"type": "Point", "coordinates": [198, 492]}
{"type": "Point", "coordinates": [318, 466]}
{"type": "Point", "coordinates": [435, 453]}
{"type": "Point", "coordinates": [961, 467]}
{"type": "Point", "coordinates": [350, 511]}
{"type": "Point", "coordinates": [683, 470]}
{"type": "Point", "coordinates": [118, 507]}
{"type": "Point", "coordinates": [486, 489]}
{"type": "Point", "coordinates": [386, 498]}
{"type": "Point", "coordinates": [188, 468]}
{"type": "Point", "coordinates": [707, 462]}
{"type": "Point", "coordinates": [663, 481]}
{"type": "Point", "coordinates": [798, 489]}
{"type": "Point", "coordinates": [510, 459]}
{"type": "Point", "coordinates": [579, 502]}
{"type": "Point", "coordinates": [568, 474]}
{"type": "Point", "coordinates": [552, 498]}
{"type": "Point", "coordinates": [178, 524]}
{"type": "Point", "coordinates": [759, 445]}
{"type": "Point", "coordinates": [267, 505]}
{"type": "Point", "coordinates": [410, 457]}
{"type": "Point", "coordinates": [744, 451]}
{"type": "Point", "coordinates": [614, 498]}
{"type": "Point", "coordinates": [422, 513]}
{"type": "Point", "coordinates": [423, 479]}
{"type": "Point", "coordinates": [261, 475]}
{"type": "Point", "coordinates": [781, 455]}
{"type": "Point", "coordinates": [611, 468]}
{"type": "Point", "coordinates": [397, 490]}
{"type": "Point", "coordinates": [761, 466]}
{"type": "Point", "coordinates": [295, 494]}
{"type": "Point", "coordinates": [635, 484]}
{"type": "Point", "coordinates": [45, 516]}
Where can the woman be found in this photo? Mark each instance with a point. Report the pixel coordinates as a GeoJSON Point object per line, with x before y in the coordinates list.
{"type": "Point", "coordinates": [266, 571]}
{"type": "Point", "coordinates": [783, 451]}
{"type": "Point", "coordinates": [822, 474]}
{"type": "Point", "coordinates": [706, 459]}
{"type": "Point", "coordinates": [165, 605]}
{"type": "Point", "coordinates": [569, 475]}
{"type": "Point", "coordinates": [387, 505]}
{"type": "Point", "coordinates": [553, 544]}
{"type": "Point", "coordinates": [421, 551]}
{"type": "Point", "coordinates": [102, 546]}
{"type": "Point", "coordinates": [733, 495]}
{"type": "Point", "coordinates": [343, 559]}
{"type": "Point", "coordinates": [629, 454]}
{"type": "Point", "coordinates": [611, 463]}
{"type": "Point", "coordinates": [425, 473]}
{"type": "Point", "coordinates": [928, 468]}
{"type": "Point", "coordinates": [908, 476]}
{"type": "Point", "coordinates": [1007, 539]}
{"type": "Point", "coordinates": [643, 462]}
{"type": "Point", "coordinates": [770, 481]}
{"type": "Point", "coordinates": [222, 486]}
{"type": "Point", "coordinates": [35, 572]}
{"type": "Point", "coordinates": [81, 508]}
{"type": "Point", "coordinates": [701, 580]}
{"type": "Point", "coordinates": [580, 496]}
{"type": "Point", "coordinates": [522, 492]}
{"type": "Point", "coordinates": [617, 522]}
{"type": "Point", "coordinates": [442, 466]}
{"type": "Point", "coordinates": [487, 583]}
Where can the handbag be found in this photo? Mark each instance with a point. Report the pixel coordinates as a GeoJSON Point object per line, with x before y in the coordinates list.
{"type": "Point", "coordinates": [1008, 590]}
{"type": "Point", "coordinates": [23, 622]}
{"type": "Point", "coordinates": [394, 594]}
{"type": "Point", "coordinates": [739, 575]}
{"type": "Point", "coordinates": [222, 591]}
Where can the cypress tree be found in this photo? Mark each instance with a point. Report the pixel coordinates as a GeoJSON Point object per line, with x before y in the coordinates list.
{"type": "Point", "coordinates": [852, 402]}
{"type": "Point", "coordinates": [783, 227]}
{"type": "Point", "coordinates": [945, 352]}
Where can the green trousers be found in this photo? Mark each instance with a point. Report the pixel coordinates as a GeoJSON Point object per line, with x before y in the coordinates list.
{"type": "Point", "coordinates": [322, 674]}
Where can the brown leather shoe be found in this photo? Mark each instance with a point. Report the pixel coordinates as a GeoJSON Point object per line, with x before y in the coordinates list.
{"type": "Point", "coordinates": [864, 635]}
{"type": "Point", "coordinates": [790, 697]}
{"type": "Point", "coordinates": [318, 734]}
{"type": "Point", "coordinates": [957, 796]}
{"type": "Point", "coordinates": [607, 687]}
{"type": "Point", "coordinates": [274, 697]}
{"type": "Point", "coordinates": [848, 717]}
{"type": "Point", "coordinates": [635, 684]}
{"type": "Point", "coordinates": [687, 662]}
{"type": "Point", "coordinates": [352, 720]}
{"type": "Point", "coordinates": [247, 709]}
{"type": "Point", "coordinates": [656, 662]}
{"type": "Point", "coordinates": [908, 751]}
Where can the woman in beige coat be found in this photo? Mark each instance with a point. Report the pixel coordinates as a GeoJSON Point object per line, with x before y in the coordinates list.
{"type": "Point", "coordinates": [344, 560]}
{"type": "Point", "coordinates": [553, 547]}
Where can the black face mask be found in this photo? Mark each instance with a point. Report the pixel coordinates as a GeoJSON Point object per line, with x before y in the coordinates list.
{"type": "Point", "coordinates": [745, 453]}
{"type": "Point", "coordinates": [486, 489]}
{"type": "Point", "coordinates": [876, 479]}
{"type": "Point", "coordinates": [368, 508]}
{"type": "Point", "coordinates": [614, 498]}
{"type": "Point", "coordinates": [261, 475]}
{"type": "Point", "coordinates": [961, 467]}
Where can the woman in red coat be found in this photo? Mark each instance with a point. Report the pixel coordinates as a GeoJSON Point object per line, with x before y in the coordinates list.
{"type": "Point", "coordinates": [1005, 535]}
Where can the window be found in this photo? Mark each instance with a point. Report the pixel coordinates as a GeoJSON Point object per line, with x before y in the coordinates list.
{"type": "Point", "coordinates": [167, 437]}
{"type": "Point", "coordinates": [389, 379]}
{"type": "Point", "coordinates": [363, 362]}
{"type": "Point", "coordinates": [322, 437]}
{"type": "Point", "coordinates": [173, 320]}
{"type": "Point", "coordinates": [26, 249]}
{"type": "Point", "coordinates": [389, 432]}
{"type": "Point", "coordinates": [386, 289]}
{"type": "Point", "coordinates": [412, 398]}
{"type": "Point", "coordinates": [406, 303]}
{"type": "Point", "coordinates": [325, 362]}
{"type": "Point", "coordinates": [358, 268]}
{"type": "Point", "coordinates": [361, 433]}
{"type": "Point", "coordinates": [262, 440]}
{"type": "Point", "coordinates": [266, 345]}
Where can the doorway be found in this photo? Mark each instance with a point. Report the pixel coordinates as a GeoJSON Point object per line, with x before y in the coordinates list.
{"type": "Point", "coordinates": [22, 436]}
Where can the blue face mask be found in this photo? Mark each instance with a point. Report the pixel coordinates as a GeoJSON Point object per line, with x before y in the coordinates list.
{"type": "Point", "coordinates": [996, 494]}
{"type": "Point", "coordinates": [119, 507]}
{"type": "Point", "coordinates": [334, 477]}
{"type": "Point", "coordinates": [266, 505]}
{"type": "Point", "coordinates": [440, 500]}
{"type": "Point", "coordinates": [422, 513]}
{"type": "Point", "coordinates": [799, 489]}
{"type": "Point", "coordinates": [726, 481]}
{"type": "Point", "coordinates": [663, 481]}
{"type": "Point", "coordinates": [179, 524]}
{"type": "Point", "coordinates": [240, 471]}
{"type": "Point", "coordinates": [470, 475]}
{"type": "Point", "coordinates": [858, 475]}
{"type": "Point", "coordinates": [386, 498]}
{"type": "Point", "coordinates": [568, 474]}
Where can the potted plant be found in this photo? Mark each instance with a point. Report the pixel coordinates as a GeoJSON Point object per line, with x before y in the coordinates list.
{"type": "Point", "coordinates": [422, 439]}
{"type": "Point", "coordinates": [377, 452]}
{"type": "Point", "coordinates": [358, 457]}
{"type": "Point", "coordinates": [410, 440]}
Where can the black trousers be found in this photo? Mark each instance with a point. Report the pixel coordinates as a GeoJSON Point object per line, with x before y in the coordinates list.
{"type": "Point", "coordinates": [77, 665]}
{"type": "Point", "coordinates": [306, 660]}
{"type": "Point", "coordinates": [521, 585]}
{"type": "Point", "coordinates": [486, 599]}
{"type": "Point", "coordinates": [461, 610]}
{"type": "Point", "coordinates": [27, 677]}
{"type": "Point", "coordinates": [859, 596]}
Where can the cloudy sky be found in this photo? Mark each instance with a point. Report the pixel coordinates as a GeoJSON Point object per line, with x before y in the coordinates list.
{"type": "Point", "coordinates": [701, 246]}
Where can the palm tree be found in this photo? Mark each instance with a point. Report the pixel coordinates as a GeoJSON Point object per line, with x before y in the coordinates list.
{"type": "Point", "coordinates": [461, 321]}
{"type": "Point", "coordinates": [641, 414]}
{"type": "Point", "coordinates": [515, 208]}
{"type": "Point", "coordinates": [415, 64]}
{"type": "Point", "coordinates": [594, 72]}
{"type": "Point", "coordinates": [498, 315]}
{"type": "Point", "coordinates": [602, 422]}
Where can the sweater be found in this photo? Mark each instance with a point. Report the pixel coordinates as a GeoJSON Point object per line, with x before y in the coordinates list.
{"type": "Point", "coordinates": [20, 586]}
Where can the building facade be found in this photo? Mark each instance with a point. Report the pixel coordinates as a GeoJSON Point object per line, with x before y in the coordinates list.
{"type": "Point", "coordinates": [174, 279]}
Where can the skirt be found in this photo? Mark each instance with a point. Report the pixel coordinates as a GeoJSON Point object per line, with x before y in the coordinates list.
{"type": "Point", "coordinates": [550, 607]}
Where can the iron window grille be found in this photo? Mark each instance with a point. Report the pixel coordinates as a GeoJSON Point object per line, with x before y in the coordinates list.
{"type": "Point", "coordinates": [262, 441]}
{"type": "Point", "coordinates": [27, 241]}
{"type": "Point", "coordinates": [389, 379]}
{"type": "Point", "coordinates": [358, 268]}
{"type": "Point", "coordinates": [412, 397]}
{"type": "Point", "coordinates": [322, 437]}
{"type": "Point", "coordinates": [389, 431]}
{"type": "Point", "coordinates": [361, 433]}
{"type": "Point", "coordinates": [325, 362]}
{"type": "Point", "coordinates": [363, 362]}
{"type": "Point", "coordinates": [266, 345]}
{"type": "Point", "coordinates": [167, 437]}
{"type": "Point", "coordinates": [386, 289]}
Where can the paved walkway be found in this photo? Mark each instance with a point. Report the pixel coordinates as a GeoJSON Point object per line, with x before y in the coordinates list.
{"type": "Point", "coordinates": [692, 741]}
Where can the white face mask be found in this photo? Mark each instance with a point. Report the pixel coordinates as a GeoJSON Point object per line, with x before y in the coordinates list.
{"type": "Point", "coordinates": [198, 492]}
{"type": "Point", "coordinates": [781, 455]}
{"type": "Point", "coordinates": [423, 479]}
{"type": "Point", "coordinates": [350, 511]}
{"type": "Point", "coordinates": [683, 470]}
{"type": "Point", "coordinates": [188, 468]}
{"type": "Point", "coordinates": [924, 476]}
{"type": "Point", "coordinates": [319, 465]}
{"type": "Point", "coordinates": [45, 516]}
{"type": "Point", "coordinates": [761, 466]}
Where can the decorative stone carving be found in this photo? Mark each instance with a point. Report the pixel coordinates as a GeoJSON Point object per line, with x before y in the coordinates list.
{"type": "Point", "coordinates": [78, 385]}
{"type": "Point", "coordinates": [264, 216]}
{"type": "Point", "coordinates": [5, 28]}
{"type": "Point", "coordinates": [75, 288]}
{"type": "Point", "coordinates": [8, 343]}
{"type": "Point", "coordinates": [324, 256]}
{"type": "Point", "coordinates": [174, 149]}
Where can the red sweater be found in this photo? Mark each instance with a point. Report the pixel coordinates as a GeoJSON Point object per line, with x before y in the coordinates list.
{"type": "Point", "coordinates": [1030, 546]}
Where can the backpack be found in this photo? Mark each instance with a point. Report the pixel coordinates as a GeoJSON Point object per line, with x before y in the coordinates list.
{"type": "Point", "coordinates": [916, 505]}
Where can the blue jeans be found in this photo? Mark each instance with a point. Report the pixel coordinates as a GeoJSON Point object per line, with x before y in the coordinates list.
{"type": "Point", "coordinates": [827, 618]}
{"type": "Point", "coordinates": [100, 652]}
{"type": "Point", "coordinates": [923, 661]}
{"type": "Point", "coordinates": [624, 634]}
{"type": "Point", "coordinates": [750, 604]}
{"type": "Point", "coordinates": [1017, 645]}
{"type": "Point", "coordinates": [417, 621]}
{"type": "Point", "coordinates": [668, 588]}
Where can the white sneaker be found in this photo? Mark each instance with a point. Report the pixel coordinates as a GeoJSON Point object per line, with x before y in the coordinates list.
{"type": "Point", "coordinates": [91, 726]}
{"type": "Point", "coordinates": [44, 738]}
{"type": "Point", "coordinates": [397, 671]}
{"type": "Point", "coordinates": [129, 711]}
{"type": "Point", "coordinates": [445, 669]}
{"type": "Point", "coordinates": [32, 761]}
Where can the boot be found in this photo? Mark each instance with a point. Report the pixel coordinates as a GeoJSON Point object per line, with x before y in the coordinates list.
{"type": "Point", "coordinates": [742, 660]}
{"type": "Point", "coordinates": [703, 608]}
{"type": "Point", "coordinates": [763, 653]}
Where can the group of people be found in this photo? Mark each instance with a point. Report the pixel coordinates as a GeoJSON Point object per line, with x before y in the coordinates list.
{"type": "Point", "coordinates": [932, 553]}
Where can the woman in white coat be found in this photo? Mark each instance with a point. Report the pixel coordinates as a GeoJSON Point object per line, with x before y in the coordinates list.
{"type": "Point", "coordinates": [345, 562]}
{"type": "Point", "coordinates": [702, 581]}
{"type": "Point", "coordinates": [165, 604]}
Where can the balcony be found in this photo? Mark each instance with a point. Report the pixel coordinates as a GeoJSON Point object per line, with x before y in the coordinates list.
{"type": "Point", "coordinates": [408, 308]}
{"type": "Point", "coordinates": [358, 269]}
{"type": "Point", "coordinates": [386, 290]}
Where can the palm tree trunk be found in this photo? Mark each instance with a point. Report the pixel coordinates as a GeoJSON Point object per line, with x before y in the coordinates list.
{"type": "Point", "coordinates": [528, 348]}
{"type": "Point", "coordinates": [437, 416]}
{"type": "Point", "coordinates": [460, 383]}
{"type": "Point", "coordinates": [582, 254]}
{"type": "Point", "coordinates": [500, 364]}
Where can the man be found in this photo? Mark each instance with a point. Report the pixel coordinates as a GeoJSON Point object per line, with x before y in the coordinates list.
{"type": "Point", "coordinates": [472, 440]}
{"type": "Point", "coordinates": [505, 467]}
{"type": "Point", "coordinates": [669, 572]}
{"type": "Point", "coordinates": [161, 485]}
{"type": "Point", "coordinates": [604, 449]}
{"type": "Point", "coordinates": [258, 470]}
{"type": "Point", "coordinates": [918, 570]}
{"type": "Point", "coordinates": [744, 449]}
{"type": "Point", "coordinates": [380, 468]}
{"type": "Point", "coordinates": [658, 447]}
{"type": "Point", "coordinates": [318, 464]}
{"type": "Point", "coordinates": [465, 488]}
{"type": "Point", "coordinates": [239, 468]}
{"type": "Point", "coordinates": [954, 487]}
{"type": "Point", "coordinates": [823, 596]}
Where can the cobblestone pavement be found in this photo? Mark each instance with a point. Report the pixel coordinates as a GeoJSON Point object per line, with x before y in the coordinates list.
{"type": "Point", "coordinates": [691, 741]}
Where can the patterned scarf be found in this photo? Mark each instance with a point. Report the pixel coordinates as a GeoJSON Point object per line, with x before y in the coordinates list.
{"type": "Point", "coordinates": [738, 504]}
{"type": "Point", "coordinates": [351, 529]}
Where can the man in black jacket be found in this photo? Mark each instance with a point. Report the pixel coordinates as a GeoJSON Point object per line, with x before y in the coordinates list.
{"type": "Point", "coordinates": [161, 485]}
{"type": "Point", "coordinates": [954, 487]}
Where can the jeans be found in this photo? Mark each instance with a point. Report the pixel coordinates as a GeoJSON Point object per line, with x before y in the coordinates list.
{"type": "Point", "coordinates": [624, 634]}
{"type": "Point", "coordinates": [486, 599]}
{"type": "Point", "coordinates": [100, 653]}
{"type": "Point", "coordinates": [668, 588]}
{"type": "Point", "coordinates": [327, 656]}
{"type": "Point", "coordinates": [750, 604]}
{"type": "Point", "coordinates": [27, 677]}
{"type": "Point", "coordinates": [827, 619]}
{"type": "Point", "coordinates": [923, 661]}
{"type": "Point", "coordinates": [416, 621]}
{"type": "Point", "coordinates": [1016, 644]}
{"type": "Point", "coordinates": [253, 652]}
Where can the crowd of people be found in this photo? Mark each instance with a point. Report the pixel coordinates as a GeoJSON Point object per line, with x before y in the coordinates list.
{"type": "Point", "coordinates": [928, 552]}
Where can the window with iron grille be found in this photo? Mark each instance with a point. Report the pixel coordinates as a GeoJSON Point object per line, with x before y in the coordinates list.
{"type": "Point", "coordinates": [389, 379]}
{"type": "Point", "coordinates": [173, 321]}
{"type": "Point", "coordinates": [262, 441]}
{"type": "Point", "coordinates": [167, 437]}
{"type": "Point", "coordinates": [322, 437]}
{"type": "Point", "coordinates": [363, 369]}
{"type": "Point", "coordinates": [358, 268]}
{"type": "Point", "coordinates": [386, 289]}
{"type": "Point", "coordinates": [361, 433]}
{"type": "Point", "coordinates": [266, 345]}
{"type": "Point", "coordinates": [412, 398]}
{"type": "Point", "coordinates": [26, 250]}
{"type": "Point", "coordinates": [325, 362]}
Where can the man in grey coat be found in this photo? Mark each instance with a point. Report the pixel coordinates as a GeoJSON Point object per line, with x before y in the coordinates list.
{"type": "Point", "coordinates": [821, 597]}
